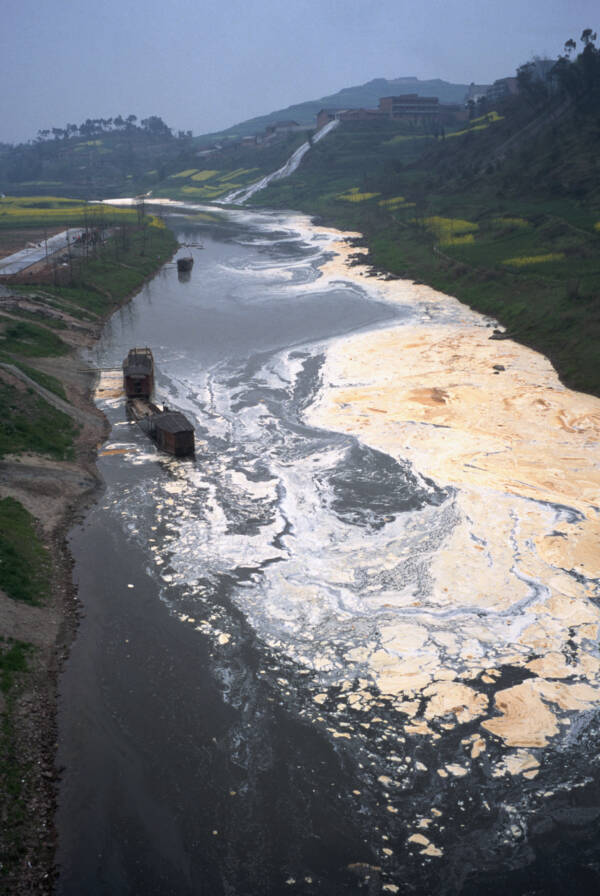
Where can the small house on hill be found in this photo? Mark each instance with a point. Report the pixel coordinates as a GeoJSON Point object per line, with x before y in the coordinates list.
{"type": "Point", "coordinates": [172, 432]}
{"type": "Point", "coordinates": [284, 127]}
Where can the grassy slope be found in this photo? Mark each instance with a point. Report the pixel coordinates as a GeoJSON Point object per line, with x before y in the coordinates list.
{"type": "Point", "coordinates": [359, 96]}
{"type": "Point", "coordinates": [116, 164]}
{"type": "Point", "coordinates": [528, 254]}
{"type": "Point", "coordinates": [24, 562]}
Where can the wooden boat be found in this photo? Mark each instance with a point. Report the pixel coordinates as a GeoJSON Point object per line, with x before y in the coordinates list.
{"type": "Point", "coordinates": [184, 263]}
{"type": "Point", "coordinates": [171, 430]}
{"type": "Point", "coordinates": [138, 373]}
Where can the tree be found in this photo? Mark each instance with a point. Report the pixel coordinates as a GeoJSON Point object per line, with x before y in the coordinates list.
{"type": "Point", "coordinates": [579, 78]}
{"type": "Point", "coordinates": [156, 126]}
{"type": "Point", "coordinates": [531, 85]}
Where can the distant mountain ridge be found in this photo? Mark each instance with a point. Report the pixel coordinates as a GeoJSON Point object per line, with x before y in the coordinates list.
{"type": "Point", "coordinates": [361, 96]}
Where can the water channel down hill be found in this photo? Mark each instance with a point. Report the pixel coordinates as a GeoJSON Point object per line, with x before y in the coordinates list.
{"type": "Point", "coordinates": [332, 653]}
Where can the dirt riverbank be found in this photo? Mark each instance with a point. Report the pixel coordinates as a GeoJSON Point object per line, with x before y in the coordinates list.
{"type": "Point", "coordinates": [56, 493]}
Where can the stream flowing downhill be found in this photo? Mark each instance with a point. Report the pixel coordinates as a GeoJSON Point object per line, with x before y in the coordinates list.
{"type": "Point", "coordinates": [352, 645]}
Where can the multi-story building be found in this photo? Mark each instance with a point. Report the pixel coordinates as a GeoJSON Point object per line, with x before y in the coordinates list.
{"type": "Point", "coordinates": [410, 105]}
{"type": "Point", "coordinates": [501, 88]}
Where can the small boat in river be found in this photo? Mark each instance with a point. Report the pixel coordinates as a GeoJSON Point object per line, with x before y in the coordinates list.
{"type": "Point", "coordinates": [184, 263]}
{"type": "Point", "coordinates": [170, 429]}
{"type": "Point", "coordinates": [138, 373]}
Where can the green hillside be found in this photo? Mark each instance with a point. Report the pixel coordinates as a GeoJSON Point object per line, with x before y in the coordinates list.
{"type": "Point", "coordinates": [361, 96]}
{"type": "Point", "coordinates": [116, 157]}
{"type": "Point", "coordinates": [122, 156]}
{"type": "Point", "coordinates": [504, 212]}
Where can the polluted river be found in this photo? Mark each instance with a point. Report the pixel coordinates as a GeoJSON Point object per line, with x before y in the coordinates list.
{"type": "Point", "coordinates": [351, 645]}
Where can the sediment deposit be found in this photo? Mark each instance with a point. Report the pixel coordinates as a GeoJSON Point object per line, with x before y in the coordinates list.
{"type": "Point", "coordinates": [514, 581]}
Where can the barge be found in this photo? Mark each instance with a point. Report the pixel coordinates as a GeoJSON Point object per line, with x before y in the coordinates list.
{"type": "Point", "coordinates": [171, 430]}
{"type": "Point", "coordinates": [138, 373]}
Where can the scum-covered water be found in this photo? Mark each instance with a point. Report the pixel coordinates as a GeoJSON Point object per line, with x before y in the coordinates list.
{"type": "Point", "coordinates": [221, 726]}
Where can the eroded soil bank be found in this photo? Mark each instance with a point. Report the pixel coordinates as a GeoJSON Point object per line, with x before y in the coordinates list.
{"type": "Point", "coordinates": [55, 492]}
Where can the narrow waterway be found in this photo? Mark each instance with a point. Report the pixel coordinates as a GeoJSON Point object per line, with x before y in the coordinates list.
{"type": "Point", "coordinates": [287, 659]}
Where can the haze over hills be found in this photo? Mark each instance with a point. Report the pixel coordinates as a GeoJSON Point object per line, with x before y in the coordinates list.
{"type": "Point", "coordinates": [117, 155]}
{"type": "Point", "coordinates": [500, 207]}
{"type": "Point", "coordinates": [361, 95]}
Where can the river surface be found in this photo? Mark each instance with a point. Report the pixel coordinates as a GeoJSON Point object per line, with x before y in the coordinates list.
{"type": "Point", "coordinates": [287, 672]}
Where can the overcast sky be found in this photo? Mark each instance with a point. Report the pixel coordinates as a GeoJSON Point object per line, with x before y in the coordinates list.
{"type": "Point", "coordinates": [203, 66]}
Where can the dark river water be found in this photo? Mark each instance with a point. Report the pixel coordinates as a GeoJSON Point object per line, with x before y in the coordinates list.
{"type": "Point", "coordinates": [207, 728]}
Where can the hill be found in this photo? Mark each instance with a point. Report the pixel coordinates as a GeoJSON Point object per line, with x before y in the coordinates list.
{"type": "Point", "coordinates": [357, 97]}
{"type": "Point", "coordinates": [122, 156]}
{"type": "Point", "coordinates": [503, 211]}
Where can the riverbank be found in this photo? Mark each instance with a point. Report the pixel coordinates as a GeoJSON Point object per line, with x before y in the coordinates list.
{"type": "Point", "coordinates": [515, 240]}
{"type": "Point", "coordinates": [489, 418]}
{"type": "Point", "coordinates": [48, 442]}
{"type": "Point", "coordinates": [426, 621]}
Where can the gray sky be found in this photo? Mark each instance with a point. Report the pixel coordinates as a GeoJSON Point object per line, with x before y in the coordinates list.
{"type": "Point", "coordinates": [204, 66]}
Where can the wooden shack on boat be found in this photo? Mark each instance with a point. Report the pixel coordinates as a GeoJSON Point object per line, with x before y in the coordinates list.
{"type": "Point", "coordinates": [138, 373]}
{"type": "Point", "coordinates": [172, 432]}
{"type": "Point", "coordinates": [184, 263]}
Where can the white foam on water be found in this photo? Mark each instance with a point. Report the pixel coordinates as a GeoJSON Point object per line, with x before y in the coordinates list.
{"type": "Point", "coordinates": [396, 622]}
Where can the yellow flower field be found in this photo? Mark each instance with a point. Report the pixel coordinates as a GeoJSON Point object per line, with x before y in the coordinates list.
{"type": "Point", "coordinates": [450, 231]}
{"type": "Point", "coordinates": [353, 195]}
{"type": "Point", "coordinates": [522, 261]}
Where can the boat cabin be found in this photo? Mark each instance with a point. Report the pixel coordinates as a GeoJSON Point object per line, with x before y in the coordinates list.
{"type": "Point", "coordinates": [138, 373]}
{"type": "Point", "coordinates": [172, 432]}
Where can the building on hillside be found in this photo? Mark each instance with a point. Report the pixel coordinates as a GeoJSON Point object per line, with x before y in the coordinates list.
{"type": "Point", "coordinates": [410, 106]}
{"type": "Point", "coordinates": [476, 92]}
{"type": "Point", "coordinates": [501, 88]}
{"type": "Point", "coordinates": [361, 115]}
{"type": "Point", "coordinates": [284, 127]}
{"type": "Point", "coordinates": [327, 115]}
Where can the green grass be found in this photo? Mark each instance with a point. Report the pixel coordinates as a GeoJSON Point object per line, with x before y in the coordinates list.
{"type": "Point", "coordinates": [237, 167]}
{"type": "Point", "coordinates": [51, 322]}
{"type": "Point", "coordinates": [539, 203]}
{"type": "Point", "coordinates": [44, 379]}
{"type": "Point", "coordinates": [101, 284]}
{"type": "Point", "coordinates": [28, 423]}
{"type": "Point", "coordinates": [30, 340]}
{"type": "Point", "coordinates": [13, 662]}
{"type": "Point", "coordinates": [53, 211]}
{"type": "Point", "coordinates": [14, 771]}
{"type": "Point", "coordinates": [24, 561]}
